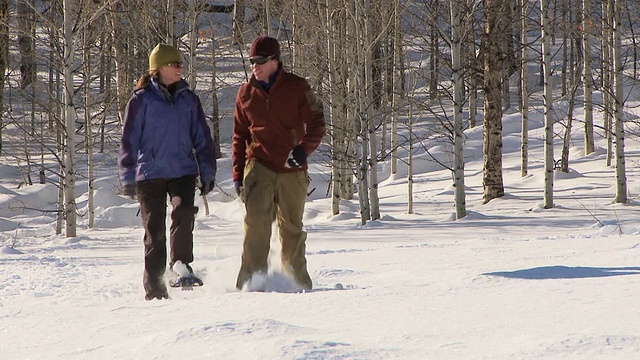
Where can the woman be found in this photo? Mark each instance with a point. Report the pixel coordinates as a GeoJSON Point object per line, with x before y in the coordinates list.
{"type": "Point", "coordinates": [166, 145]}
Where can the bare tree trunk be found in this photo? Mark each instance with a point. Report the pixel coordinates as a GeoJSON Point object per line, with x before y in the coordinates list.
{"type": "Point", "coordinates": [88, 130]}
{"type": "Point", "coordinates": [433, 51]}
{"type": "Point", "coordinates": [410, 163]}
{"type": "Point", "coordinates": [368, 110]}
{"type": "Point", "coordinates": [492, 147]}
{"type": "Point", "coordinates": [458, 134]}
{"type": "Point", "coordinates": [123, 88]}
{"type": "Point", "coordinates": [267, 17]}
{"type": "Point", "coordinates": [361, 118]}
{"type": "Point", "coordinates": [215, 116]}
{"type": "Point", "coordinates": [170, 37]}
{"type": "Point", "coordinates": [26, 42]}
{"type": "Point", "coordinates": [524, 97]}
{"type": "Point", "coordinates": [566, 143]}
{"type": "Point", "coordinates": [565, 36]}
{"type": "Point", "coordinates": [587, 81]}
{"type": "Point", "coordinates": [192, 14]}
{"type": "Point", "coordinates": [618, 66]}
{"type": "Point", "coordinates": [336, 138]}
{"type": "Point", "coordinates": [4, 60]}
{"type": "Point", "coordinates": [70, 117]}
{"type": "Point", "coordinates": [238, 21]}
{"type": "Point", "coordinates": [607, 71]}
{"type": "Point", "coordinates": [507, 51]}
{"type": "Point", "coordinates": [548, 105]}
{"type": "Point", "coordinates": [396, 86]}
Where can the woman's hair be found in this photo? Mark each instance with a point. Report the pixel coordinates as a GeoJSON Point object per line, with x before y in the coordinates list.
{"type": "Point", "coordinates": [144, 79]}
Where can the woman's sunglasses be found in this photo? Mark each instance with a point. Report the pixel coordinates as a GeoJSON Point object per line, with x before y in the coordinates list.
{"type": "Point", "coordinates": [260, 60]}
{"type": "Point", "coordinates": [175, 64]}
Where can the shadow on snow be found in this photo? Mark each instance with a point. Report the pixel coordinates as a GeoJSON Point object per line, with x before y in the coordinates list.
{"type": "Point", "coordinates": [565, 272]}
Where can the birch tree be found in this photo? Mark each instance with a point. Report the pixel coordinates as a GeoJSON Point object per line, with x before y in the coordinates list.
{"type": "Point", "coordinates": [618, 66]}
{"type": "Point", "coordinates": [4, 61]}
{"type": "Point", "coordinates": [524, 91]}
{"type": "Point", "coordinates": [495, 27]}
{"type": "Point", "coordinates": [238, 21]}
{"type": "Point", "coordinates": [607, 71]}
{"type": "Point", "coordinates": [26, 42]}
{"type": "Point", "coordinates": [70, 119]}
{"type": "Point", "coordinates": [587, 81]}
{"type": "Point", "coordinates": [458, 135]}
{"type": "Point", "coordinates": [369, 112]}
{"type": "Point", "coordinates": [548, 105]}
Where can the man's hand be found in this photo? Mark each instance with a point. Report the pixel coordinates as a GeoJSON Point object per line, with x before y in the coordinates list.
{"type": "Point", "coordinates": [297, 158]}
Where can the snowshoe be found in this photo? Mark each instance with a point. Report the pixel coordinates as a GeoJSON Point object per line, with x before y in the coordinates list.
{"type": "Point", "coordinates": [186, 282]}
{"type": "Point", "coordinates": [185, 278]}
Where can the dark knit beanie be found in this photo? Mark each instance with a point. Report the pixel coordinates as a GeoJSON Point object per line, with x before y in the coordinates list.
{"type": "Point", "coordinates": [264, 46]}
{"type": "Point", "coordinates": [163, 54]}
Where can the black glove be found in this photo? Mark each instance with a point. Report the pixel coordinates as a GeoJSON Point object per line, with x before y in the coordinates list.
{"type": "Point", "coordinates": [130, 190]}
{"type": "Point", "coordinates": [207, 187]}
{"type": "Point", "coordinates": [297, 158]}
{"type": "Point", "coordinates": [238, 186]}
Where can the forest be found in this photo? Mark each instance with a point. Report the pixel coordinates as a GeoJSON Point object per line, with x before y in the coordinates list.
{"type": "Point", "coordinates": [381, 67]}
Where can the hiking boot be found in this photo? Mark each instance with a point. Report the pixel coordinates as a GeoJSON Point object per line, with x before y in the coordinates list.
{"type": "Point", "coordinates": [245, 275]}
{"type": "Point", "coordinates": [157, 291]}
{"type": "Point", "coordinates": [182, 269]}
{"type": "Point", "coordinates": [299, 274]}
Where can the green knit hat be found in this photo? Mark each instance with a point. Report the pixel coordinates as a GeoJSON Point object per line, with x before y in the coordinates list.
{"type": "Point", "coordinates": [163, 54]}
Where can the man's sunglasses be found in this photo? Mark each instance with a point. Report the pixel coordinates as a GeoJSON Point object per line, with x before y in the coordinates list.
{"type": "Point", "coordinates": [175, 64]}
{"type": "Point", "coordinates": [260, 60]}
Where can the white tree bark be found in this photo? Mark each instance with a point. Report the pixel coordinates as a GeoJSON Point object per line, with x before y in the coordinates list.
{"type": "Point", "coordinates": [170, 26]}
{"type": "Point", "coordinates": [70, 119]}
{"type": "Point", "coordinates": [360, 84]}
{"type": "Point", "coordinates": [238, 21]}
{"type": "Point", "coordinates": [88, 129]}
{"type": "Point", "coordinates": [607, 76]}
{"type": "Point", "coordinates": [410, 162]}
{"type": "Point", "coordinates": [396, 86]}
{"type": "Point", "coordinates": [458, 134]}
{"type": "Point", "coordinates": [618, 65]}
{"type": "Point", "coordinates": [524, 133]}
{"type": "Point", "coordinates": [192, 13]}
{"type": "Point", "coordinates": [370, 118]}
{"type": "Point", "coordinates": [336, 143]}
{"type": "Point", "coordinates": [548, 106]}
{"type": "Point", "coordinates": [587, 81]}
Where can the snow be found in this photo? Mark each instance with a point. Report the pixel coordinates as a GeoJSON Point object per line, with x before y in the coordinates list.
{"type": "Point", "coordinates": [512, 280]}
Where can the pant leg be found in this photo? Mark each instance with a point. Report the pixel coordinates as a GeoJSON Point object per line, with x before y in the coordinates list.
{"type": "Point", "coordinates": [291, 189]}
{"type": "Point", "coordinates": [259, 192]}
{"type": "Point", "coordinates": [152, 196]}
{"type": "Point", "coordinates": [181, 195]}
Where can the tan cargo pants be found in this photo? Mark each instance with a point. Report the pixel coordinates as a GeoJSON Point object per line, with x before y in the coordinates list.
{"type": "Point", "coordinates": [269, 196]}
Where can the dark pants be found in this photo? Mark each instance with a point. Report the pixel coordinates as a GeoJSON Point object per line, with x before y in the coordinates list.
{"type": "Point", "coordinates": [152, 196]}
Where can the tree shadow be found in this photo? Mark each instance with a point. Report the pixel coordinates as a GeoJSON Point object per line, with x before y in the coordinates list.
{"type": "Point", "coordinates": [565, 272]}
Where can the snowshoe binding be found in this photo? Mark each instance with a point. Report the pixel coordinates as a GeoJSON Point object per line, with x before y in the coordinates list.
{"type": "Point", "coordinates": [185, 278]}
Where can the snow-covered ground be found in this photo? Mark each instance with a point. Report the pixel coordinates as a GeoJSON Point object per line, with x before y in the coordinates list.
{"type": "Point", "coordinates": [509, 281]}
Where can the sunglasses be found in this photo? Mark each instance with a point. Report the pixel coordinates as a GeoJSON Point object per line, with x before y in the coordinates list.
{"type": "Point", "coordinates": [175, 64]}
{"type": "Point", "coordinates": [260, 60]}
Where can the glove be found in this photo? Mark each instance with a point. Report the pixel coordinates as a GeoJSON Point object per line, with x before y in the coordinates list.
{"type": "Point", "coordinates": [297, 158]}
{"type": "Point", "coordinates": [130, 191]}
{"type": "Point", "coordinates": [238, 186]}
{"type": "Point", "coordinates": [207, 187]}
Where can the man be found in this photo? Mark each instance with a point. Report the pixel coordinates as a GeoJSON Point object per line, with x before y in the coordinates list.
{"type": "Point", "coordinates": [278, 123]}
